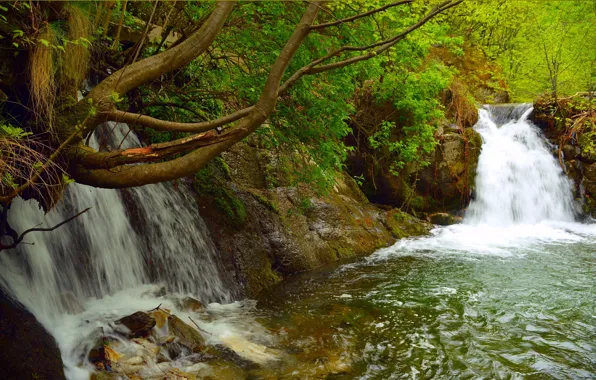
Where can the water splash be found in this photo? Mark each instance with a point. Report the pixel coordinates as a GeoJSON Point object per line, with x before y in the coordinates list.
{"type": "Point", "coordinates": [518, 179]}
{"type": "Point", "coordinates": [129, 239]}
{"type": "Point", "coordinates": [523, 199]}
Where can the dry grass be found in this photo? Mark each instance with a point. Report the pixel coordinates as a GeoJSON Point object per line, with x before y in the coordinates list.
{"type": "Point", "coordinates": [20, 160]}
{"type": "Point", "coordinates": [42, 74]}
{"type": "Point", "coordinates": [76, 62]}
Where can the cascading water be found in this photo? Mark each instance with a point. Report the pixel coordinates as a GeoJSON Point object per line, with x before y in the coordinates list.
{"type": "Point", "coordinates": [518, 179]}
{"type": "Point", "coordinates": [522, 195]}
{"type": "Point", "coordinates": [128, 240]}
{"type": "Point", "coordinates": [507, 294]}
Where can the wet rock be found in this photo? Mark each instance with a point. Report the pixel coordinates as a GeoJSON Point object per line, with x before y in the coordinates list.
{"type": "Point", "coordinates": [160, 317]}
{"type": "Point", "coordinates": [229, 355]}
{"type": "Point", "coordinates": [444, 219]}
{"type": "Point", "coordinates": [404, 225]}
{"type": "Point", "coordinates": [191, 304]}
{"type": "Point", "coordinates": [447, 183]}
{"type": "Point", "coordinates": [139, 324]}
{"type": "Point", "coordinates": [188, 335]}
{"type": "Point", "coordinates": [27, 350]}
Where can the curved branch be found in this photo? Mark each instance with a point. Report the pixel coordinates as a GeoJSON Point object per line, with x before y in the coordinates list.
{"type": "Point", "coordinates": [143, 71]}
{"type": "Point", "coordinates": [138, 175]}
{"type": "Point", "coordinates": [381, 46]}
{"type": "Point", "coordinates": [361, 15]}
{"type": "Point", "coordinates": [171, 126]}
{"type": "Point", "coordinates": [90, 159]}
{"type": "Point", "coordinates": [18, 240]}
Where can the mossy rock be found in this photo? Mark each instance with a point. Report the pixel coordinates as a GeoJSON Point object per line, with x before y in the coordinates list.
{"type": "Point", "coordinates": [403, 225]}
{"type": "Point", "coordinates": [444, 219]}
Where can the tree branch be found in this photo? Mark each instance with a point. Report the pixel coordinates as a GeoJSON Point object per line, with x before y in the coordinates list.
{"type": "Point", "coordinates": [36, 229]}
{"type": "Point", "coordinates": [381, 46]}
{"type": "Point", "coordinates": [90, 159]}
{"type": "Point", "coordinates": [171, 126]}
{"type": "Point", "coordinates": [148, 69]}
{"type": "Point", "coordinates": [361, 15]}
{"type": "Point", "coordinates": [138, 175]}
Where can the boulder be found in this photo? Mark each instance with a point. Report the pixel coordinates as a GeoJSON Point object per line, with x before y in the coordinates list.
{"type": "Point", "coordinates": [444, 219]}
{"type": "Point", "coordinates": [139, 324]}
{"type": "Point", "coordinates": [449, 180]}
{"type": "Point", "coordinates": [28, 350]}
{"type": "Point", "coordinates": [191, 304]}
{"type": "Point", "coordinates": [189, 336]}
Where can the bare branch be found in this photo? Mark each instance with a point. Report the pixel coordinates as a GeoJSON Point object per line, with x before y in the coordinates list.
{"type": "Point", "coordinates": [166, 126]}
{"type": "Point", "coordinates": [381, 46]}
{"type": "Point", "coordinates": [361, 15]}
{"type": "Point", "coordinates": [37, 229]}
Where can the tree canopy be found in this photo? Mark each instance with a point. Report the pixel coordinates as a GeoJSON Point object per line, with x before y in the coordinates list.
{"type": "Point", "coordinates": [194, 78]}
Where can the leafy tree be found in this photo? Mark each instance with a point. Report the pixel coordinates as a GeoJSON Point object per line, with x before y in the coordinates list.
{"type": "Point", "coordinates": [232, 68]}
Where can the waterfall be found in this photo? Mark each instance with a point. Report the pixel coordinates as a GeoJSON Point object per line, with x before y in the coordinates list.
{"type": "Point", "coordinates": [518, 179]}
{"type": "Point", "coordinates": [146, 235]}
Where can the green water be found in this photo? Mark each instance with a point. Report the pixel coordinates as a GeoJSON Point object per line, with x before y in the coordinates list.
{"type": "Point", "coordinates": [512, 309]}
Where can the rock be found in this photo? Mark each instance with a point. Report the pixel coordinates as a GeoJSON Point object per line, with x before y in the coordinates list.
{"type": "Point", "coordinates": [449, 180]}
{"type": "Point", "coordinates": [139, 324]}
{"type": "Point", "coordinates": [444, 219]}
{"type": "Point", "coordinates": [404, 225]}
{"type": "Point", "coordinates": [191, 304]}
{"type": "Point", "coordinates": [27, 350]}
{"type": "Point", "coordinates": [188, 335]}
{"type": "Point", "coordinates": [101, 354]}
{"type": "Point", "coordinates": [229, 355]}
{"type": "Point", "coordinates": [287, 229]}
{"type": "Point", "coordinates": [160, 317]}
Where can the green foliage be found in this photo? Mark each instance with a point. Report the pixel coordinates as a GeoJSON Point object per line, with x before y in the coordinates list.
{"type": "Point", "coordinates": [7, 130]}
{"type": "Point", "coordinates": [542, 46]}
{"type": "Point", "coordinates": [211, 180]}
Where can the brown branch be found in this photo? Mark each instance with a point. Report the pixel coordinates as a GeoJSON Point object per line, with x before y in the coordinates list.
{"type": "Point", "coordinates": [148, 69]}
{"type": "Point", "coordinates": [166, 126]}
{"type": "Point", "coordinates": [381, 46]}
{"type": "Point", "coordinates": [91, 160]}
{"type": "Point", "coordinates": [361, 15]}
{"type": "Point", "coordinates": [37, 229]}
{"type": "Point", "coordinates": [138, 175]}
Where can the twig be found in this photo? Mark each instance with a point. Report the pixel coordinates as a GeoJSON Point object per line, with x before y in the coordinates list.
{"type": "Point", "coordinates": [200, 329]}
{"type": "Point", "coordinates": [35, 229]}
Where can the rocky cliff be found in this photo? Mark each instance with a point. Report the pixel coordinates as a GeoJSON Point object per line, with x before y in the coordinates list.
{"type": "Point", "coordinates": [267, 228]}
{"type": "Point", "coordinates": [570, 124]}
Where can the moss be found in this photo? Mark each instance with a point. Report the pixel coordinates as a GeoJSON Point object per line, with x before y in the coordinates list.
{"type": "Point", "coordinates": [210, 181]}
{"type": "Point", "coordinates": [587, 144]}
{"type": "Point", "coordinates": [404, 225]}
{"type": "Point", "coordinates": [262, 278]}
{"type": "Point", "coordinates": [265, 202]}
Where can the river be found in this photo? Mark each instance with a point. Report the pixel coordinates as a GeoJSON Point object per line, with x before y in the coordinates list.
{"type": "Point", "coordinates": [509, 293]}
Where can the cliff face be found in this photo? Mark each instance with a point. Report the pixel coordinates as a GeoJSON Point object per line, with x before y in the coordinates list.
{"type": "Point", "coordinates": [267, 229]}
{"type": "Point", "coordinates": [570, 124]}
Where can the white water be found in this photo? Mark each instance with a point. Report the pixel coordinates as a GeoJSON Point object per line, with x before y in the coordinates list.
{"type": "Point", "coordinates": [105, 259]}
{"type": "Point", "coordinates": [523, 199]}
{"type": "Point", "coordinates": [518, 180]}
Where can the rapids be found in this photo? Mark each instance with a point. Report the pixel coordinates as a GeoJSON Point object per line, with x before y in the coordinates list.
{"type": "Point", "coordinates": [509, 293]}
